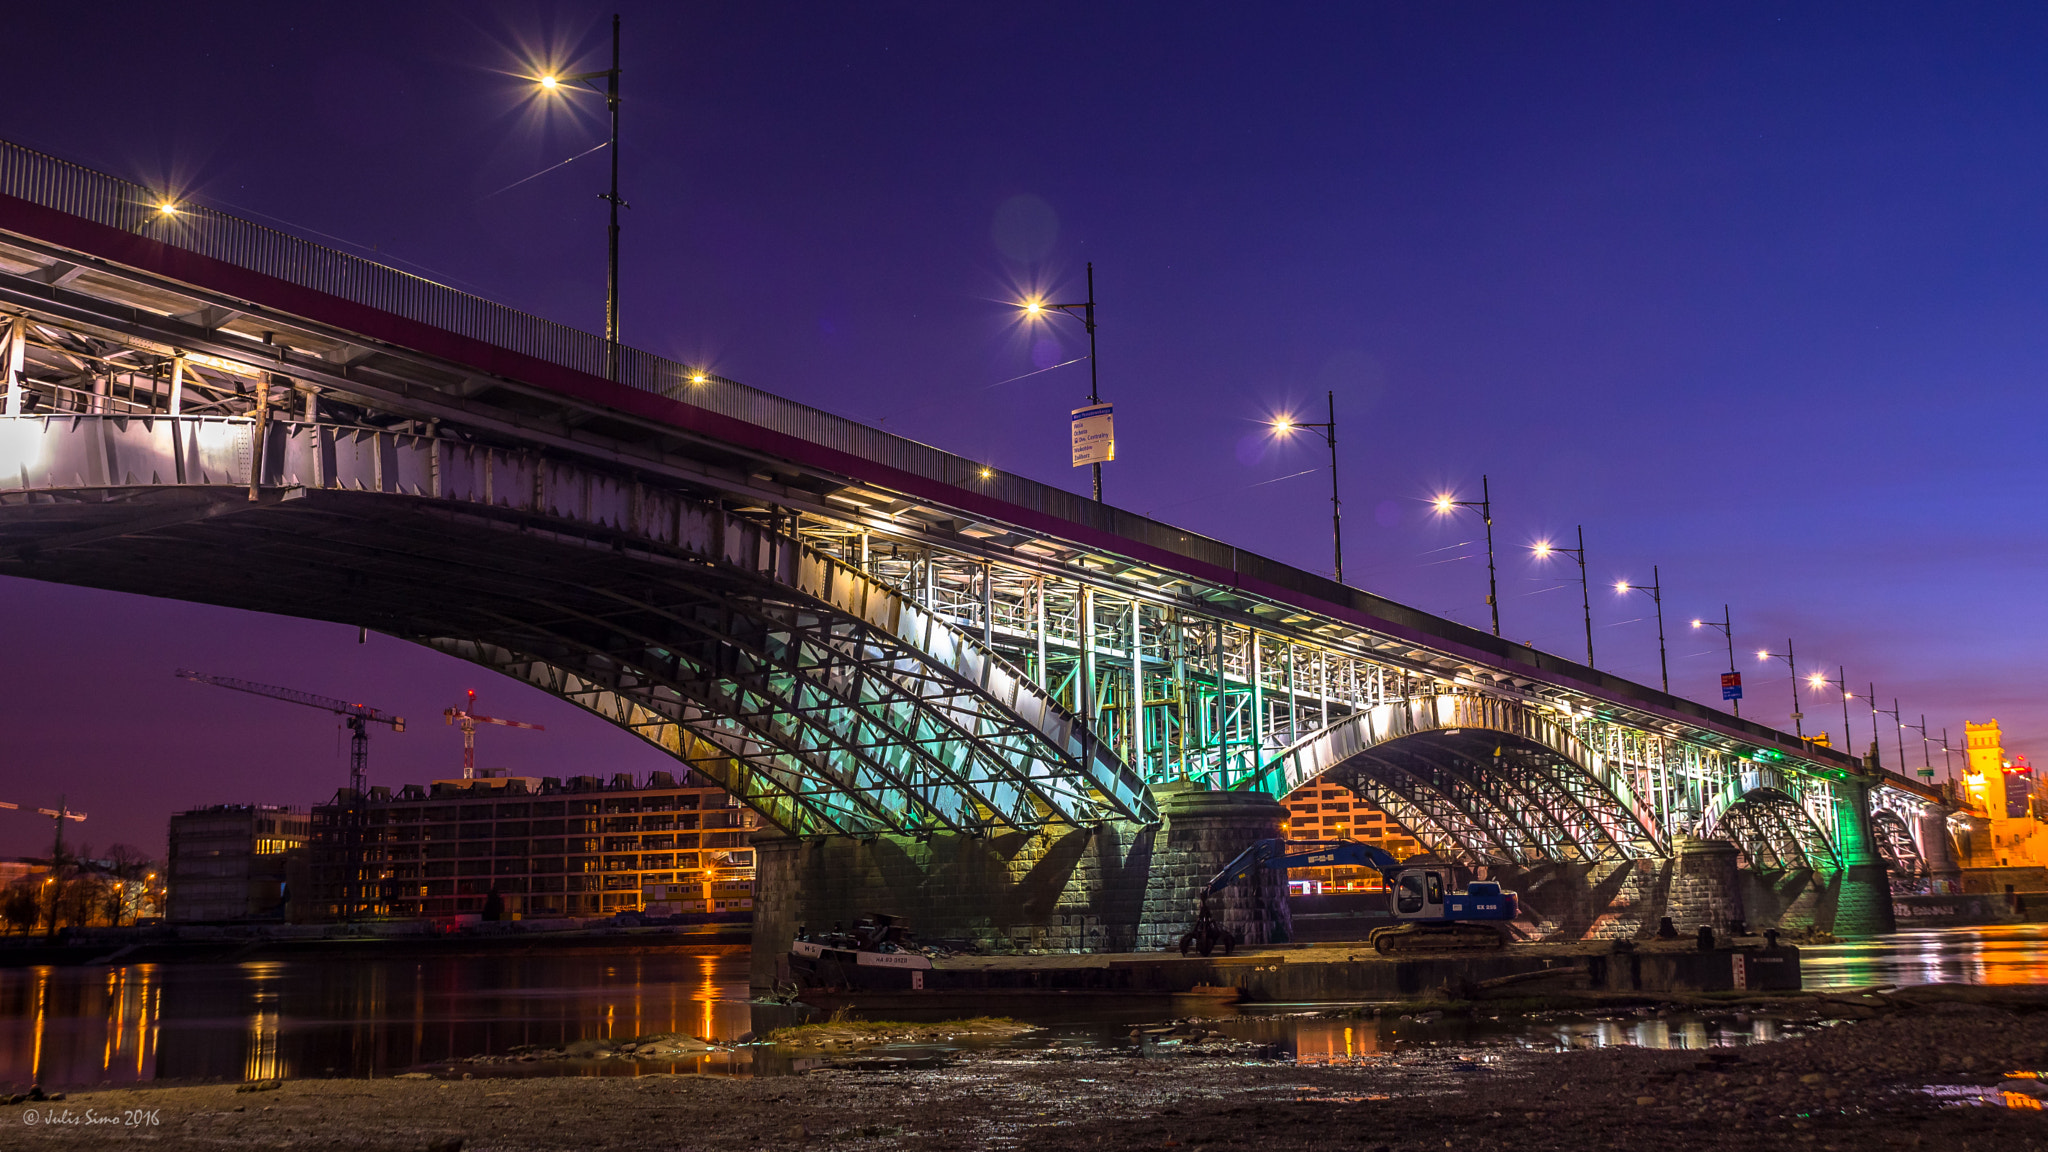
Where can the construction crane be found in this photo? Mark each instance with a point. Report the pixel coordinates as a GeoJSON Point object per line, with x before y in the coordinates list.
{"type": "Point", "coordinates": [358, 717]}
{"type": "Point", "coordinates": [467, 716]}
{"type": "Point", "coordinates": [58, 816]}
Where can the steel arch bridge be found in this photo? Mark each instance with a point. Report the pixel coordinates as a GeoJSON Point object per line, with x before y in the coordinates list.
{"type": "Point", "coordinates": [854, 633]}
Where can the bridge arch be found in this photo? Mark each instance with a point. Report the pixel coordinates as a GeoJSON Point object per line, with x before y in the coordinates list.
{"type": "Point", "coordinates": [810, 690]}
{"type": "Point", "coordinates": [1477, 779]}
{"type": "Point", "coordinates": [1759, 811]}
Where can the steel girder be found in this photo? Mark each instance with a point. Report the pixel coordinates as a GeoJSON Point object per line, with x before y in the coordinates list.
{"type": "Point", "coordinates": [812, 692]}
{"type": "Point", "coordinates": [1896, 844]}
{"type": "Point", "coordinates": [1477, 779]}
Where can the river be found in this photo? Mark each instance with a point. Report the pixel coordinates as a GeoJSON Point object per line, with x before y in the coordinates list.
{"type": "Point", "coordinates": [74, 1027]}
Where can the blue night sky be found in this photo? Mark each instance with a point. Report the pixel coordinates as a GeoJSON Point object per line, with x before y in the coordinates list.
{"type": "Point", "coordinates": [1755, 293]}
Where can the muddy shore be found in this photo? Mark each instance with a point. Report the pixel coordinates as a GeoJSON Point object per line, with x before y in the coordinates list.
{"type": "Point", "coordinates": [1859, 1083]}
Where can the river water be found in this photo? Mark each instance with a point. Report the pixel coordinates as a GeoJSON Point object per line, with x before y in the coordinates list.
{"type": "Point", "coordinates": [74, 1027]}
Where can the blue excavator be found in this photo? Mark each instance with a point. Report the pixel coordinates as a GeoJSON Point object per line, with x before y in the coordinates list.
{"type": "Point", "coordinates": [1432, 917]}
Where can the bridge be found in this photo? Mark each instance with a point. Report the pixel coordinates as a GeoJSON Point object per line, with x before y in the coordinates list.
{"type": "Point", "coordinates": [1030, 717]}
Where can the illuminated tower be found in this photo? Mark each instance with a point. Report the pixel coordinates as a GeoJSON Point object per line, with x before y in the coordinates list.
{"type": "Point", "coordinates": [1985, 777]}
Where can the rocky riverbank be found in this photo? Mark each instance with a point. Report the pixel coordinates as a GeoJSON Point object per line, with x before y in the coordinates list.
{"type": "Point", "coordinates": [1860, 1083]}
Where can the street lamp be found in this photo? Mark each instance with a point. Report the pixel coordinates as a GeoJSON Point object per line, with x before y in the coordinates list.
{"type": "Point", "coordinates": [1543, 549]}
{"type": "Point", "coordinates": [1727, 627]}
{"type": "Point", "coordinates": [1892, 712]}
{"type": "Point", "coordinates": [1819, 680]}
{"type": "Point", "coordinates": [1798, 717]}
{"type": "Point", "coordinates": [1085, 313]}
{"type": "Point", "coordinates": [1656, 594]}
{"type": "Point", "coordinates": [553, 83]}
{"type": "Point", "coordinates": [1285, 426]}
{"type": "Point", "coordinates": [1926, 757]}
{"type": "Point", "coordinates": [1444, 505]}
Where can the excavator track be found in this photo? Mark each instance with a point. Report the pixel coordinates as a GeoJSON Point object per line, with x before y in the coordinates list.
{"type": "Point", "coordinates": [1404, 939]}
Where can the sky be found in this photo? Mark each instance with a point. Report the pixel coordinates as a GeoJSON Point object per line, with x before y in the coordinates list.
{"type": "Point", "coordinates": [1755, 293]}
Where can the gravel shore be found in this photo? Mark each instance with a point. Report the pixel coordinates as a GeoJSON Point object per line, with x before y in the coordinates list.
{"type": "Point", "coordinates": [1859, 1084]}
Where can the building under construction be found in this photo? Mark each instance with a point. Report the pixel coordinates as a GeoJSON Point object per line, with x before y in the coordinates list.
{"type": "Point", "coordinates": [544, 846]}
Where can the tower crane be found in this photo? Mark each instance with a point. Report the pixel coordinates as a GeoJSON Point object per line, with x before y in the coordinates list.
{"type": "Point", "coordinates": [358, 717]}
{"type": "Point", "coordinates": [58, 816]}
{"type": "Point", "coordinates": [468, 718]}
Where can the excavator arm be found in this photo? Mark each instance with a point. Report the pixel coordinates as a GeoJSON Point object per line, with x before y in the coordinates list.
{"type": "Point", "coordinates": [1329, 854]}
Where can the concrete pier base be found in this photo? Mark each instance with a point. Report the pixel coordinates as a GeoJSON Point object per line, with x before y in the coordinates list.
{"type": "Point", "coordinates": [1204, 831]}
{"type": "Point", "coordinates": [1705, 887]}
{"type": "Point", "coordinates": [1058, 889]}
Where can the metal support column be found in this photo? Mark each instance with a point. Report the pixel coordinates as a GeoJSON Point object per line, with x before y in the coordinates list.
{"type": "Point", "coordinates": [1087, 622]}
{"type": "Point", "coordinates": [1137, 704]}
{"type": "Point", "coordinates": [17, 344]}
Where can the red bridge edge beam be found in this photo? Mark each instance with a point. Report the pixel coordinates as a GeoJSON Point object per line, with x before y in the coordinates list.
{"type": "Point", "coordinates": [155, 257]}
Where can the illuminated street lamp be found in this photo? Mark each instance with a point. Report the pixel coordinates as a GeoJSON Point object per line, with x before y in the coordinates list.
{"type": "Point", "coordinates": [1085, 313]}
{"type": "Point", "coordinates": [1818, 681]}
{"type": "Point", "coordinates": [550, 82]}
{"type": "Point", "coordinates": [1798, 717]}
{"type": "Point", "coordinates": [1285, 426]}
{"type": "Point", "coordinates": [1543, 549]}
{"type": "Point", "coordinates": [1727, 627]}
{"type": "Point", "coordinates": [1656, 594]}
{"type": "Point", "coordinates": [1444, 504]}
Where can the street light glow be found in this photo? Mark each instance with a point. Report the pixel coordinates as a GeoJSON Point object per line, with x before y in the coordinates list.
{"type": "Point", "coordinates": [987, 472]}
{"type": "Point", "coordinates": [549, 81]}
{"type": "Point", "coordinates": [1621, 585]}
{"type": "Point", "coordinates": [1033, 307]}
{"type": "Point", "coordinates": [167, 208]}
{"type": "Point", "coordinates": [1697, 623]}
{"type": "Point", "coordinates": [1816, 679]}
{"type": "Point", "coordinates": [1283, 424]}
{"type": "Point", "coordinates": [1762, 655]}
{"type": "Point", "coordinates": [699, 378]}
{"type": "Point", "coordinates": [1542, 548]}
{"type": "Point", "coordinates": [1443, 502]}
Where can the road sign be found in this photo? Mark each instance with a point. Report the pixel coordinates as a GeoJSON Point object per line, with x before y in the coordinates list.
{"type": "Point", "coordinates": [1927, 772]}
{"type": "Point", "coordinates": [1731, 685]}
{"type": "Point", "coordinates": [1094, 435]}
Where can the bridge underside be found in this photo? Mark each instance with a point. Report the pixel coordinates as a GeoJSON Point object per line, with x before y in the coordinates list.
{"type": "Point", "coordinates": [822, 720]}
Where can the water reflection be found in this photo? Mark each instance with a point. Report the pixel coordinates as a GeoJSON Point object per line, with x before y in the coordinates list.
{"type": "Point", "coordinates": [2000, 954]}
{"type": "Point", "coordinates": [259, 1020]}
{"type": "Point", "coordinates": [1320, 1038]}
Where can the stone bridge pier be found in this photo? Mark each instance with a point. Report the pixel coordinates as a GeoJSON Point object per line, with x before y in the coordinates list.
{"type": "Point", "coordinates": [1115, 887]}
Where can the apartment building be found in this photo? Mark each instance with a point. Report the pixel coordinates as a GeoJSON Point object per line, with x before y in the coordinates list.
{"type": "Point", "coordinates": [1322, 811]}
{"type": "Point", "coordinates": [231, 862]}
{"type": "Point", "coordinates": [543, 846]}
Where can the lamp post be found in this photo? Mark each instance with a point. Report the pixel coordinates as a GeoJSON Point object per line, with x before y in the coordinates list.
{"type": "Point", "coordinates": [1727, 628]}
{"type": "Point", "coordinates": [1543, 549]}
{"type": "Point", "coordinates": [1817, 681]}
{"type": "Point", "coordinates": [1892, 712]}
{"type": "Point", "coordinates": [1798, 717]}
{"type": "Point", "coordinates": [1656, 593]}
{"type": "Point", "coordinates": [1287, 424]}
{"type": "Point", "coordinates": [553, 83]}
{"type": "Point", "coordinates": [1948, 766]}
{"type": "Point", "coordinates": [1926, 756]}
{"type": "Point", "coordinates": [1085, 313]}
{"type": "Point", "coordinates": [1444, 504]}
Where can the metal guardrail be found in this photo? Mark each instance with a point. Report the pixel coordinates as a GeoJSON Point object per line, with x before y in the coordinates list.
{"type": "Point", "coordinates": [71, 188]}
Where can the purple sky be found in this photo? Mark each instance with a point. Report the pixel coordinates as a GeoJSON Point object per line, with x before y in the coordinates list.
{"type": "Point", "coordinates": [1756, 293]}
